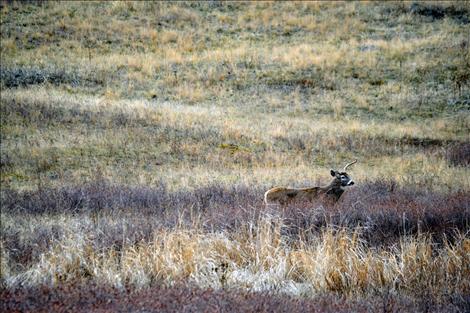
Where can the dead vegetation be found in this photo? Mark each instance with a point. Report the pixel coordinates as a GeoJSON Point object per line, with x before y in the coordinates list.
{"type": "Point", "coordinates": [137, 139]}
{"type": "Point", "coordinates": [183, 298]}
{"type": "Point", "coordinates": [392, 240]}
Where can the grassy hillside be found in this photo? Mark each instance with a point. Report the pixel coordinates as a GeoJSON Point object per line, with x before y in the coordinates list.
{"type": "Point", "coordinates": [137, 139]}
{"type": "Point", "coordinates": [151, 91]}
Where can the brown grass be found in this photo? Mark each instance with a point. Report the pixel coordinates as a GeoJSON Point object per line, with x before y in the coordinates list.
{"type": "Point", "coordinates": [137, 139]}
{"type": "Point", "coordinates": [394, 240]}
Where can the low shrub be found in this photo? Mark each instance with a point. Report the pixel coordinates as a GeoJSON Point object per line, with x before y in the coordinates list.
{"type": "Point", "coordinates": [25, 76]}
{"type": "Point", "coordinates": [459, 154]}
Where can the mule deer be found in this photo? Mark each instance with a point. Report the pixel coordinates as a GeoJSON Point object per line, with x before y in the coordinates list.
{"type": "Point", "coordinates": [332, 192]}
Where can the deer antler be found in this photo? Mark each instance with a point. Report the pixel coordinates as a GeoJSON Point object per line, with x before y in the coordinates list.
{"type": "Point", "coordinates": [347, 165]}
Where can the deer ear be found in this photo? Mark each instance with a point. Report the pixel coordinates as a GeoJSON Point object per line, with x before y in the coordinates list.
{"type": "Point", "coordinates": [333, 173]}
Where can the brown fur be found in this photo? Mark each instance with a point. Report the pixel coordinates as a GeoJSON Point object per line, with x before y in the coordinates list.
{"type": "Point", "coordinates": [284, 196]}
{"type": "Point", "coordinates": [330, 193]}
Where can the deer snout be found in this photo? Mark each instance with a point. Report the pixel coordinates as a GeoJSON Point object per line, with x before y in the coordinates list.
{"type": "Point", "coordinates": [351, 183]}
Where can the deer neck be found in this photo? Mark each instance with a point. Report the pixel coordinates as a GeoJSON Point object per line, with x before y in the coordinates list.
{"type": "Point", "coordinates": [334, 189]}
{"type": "Point", "coordinates": [334, 186]}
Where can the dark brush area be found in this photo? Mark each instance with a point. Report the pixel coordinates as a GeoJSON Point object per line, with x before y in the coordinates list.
{"type": "Point", "coordinates": [181, 298]}
{"type": "Point", "coordinates": [380, 211]}
{"type": "Point", "coordinates": [26, 76]}
{"type": "Point", "coordinates": [459, 154]}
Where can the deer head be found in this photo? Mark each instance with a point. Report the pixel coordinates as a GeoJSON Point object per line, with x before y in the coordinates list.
{"type": "Point", "coordinates": [342, 178]}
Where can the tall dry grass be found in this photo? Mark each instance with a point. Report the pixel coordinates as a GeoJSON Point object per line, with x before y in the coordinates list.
{"type": "Point", "coordinates": [259, 258]}
{"type": "Point", "coordinates": [411, 243]}
{"type": "Point", "coordinates": [137, 139]}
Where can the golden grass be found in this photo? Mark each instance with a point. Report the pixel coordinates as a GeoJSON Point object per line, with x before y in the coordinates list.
{"type": "Point", "coordinates": [254, 94]}
{"type": "Point", "coordinates": [257, 135]}
{"type": "Point", "coordinates": [258, 259]}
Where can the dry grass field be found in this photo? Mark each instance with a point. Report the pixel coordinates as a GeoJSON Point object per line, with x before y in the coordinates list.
{"type": "Point", "coordinates": [138, 138]}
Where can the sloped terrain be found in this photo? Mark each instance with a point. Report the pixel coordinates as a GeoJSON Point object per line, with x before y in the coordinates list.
{"type": "Point", "coordinates": [138, 139]}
